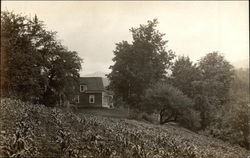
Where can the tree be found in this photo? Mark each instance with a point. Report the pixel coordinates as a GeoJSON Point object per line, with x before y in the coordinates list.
{"type": "Point", "coordinates": [184, 73]}
{"type": "Point", "coordinates": [217, 76]}
{"type": "Point", "coordinates": [233, 119]}
{"type": "Point", "coordinates": [140, 64]}
{"type": "Point", "coordinates": [239, 90]}
{"type": "Point", "coordinates": [171, 104]}
{"type": "Point", "coordinates": [37, 67]}
{"type": "Point", "coordinates": [212, 90]}
{"type": "Point", "coordinates": [61, 76]}
{"type": "Point", "coordinates": [21, 67]}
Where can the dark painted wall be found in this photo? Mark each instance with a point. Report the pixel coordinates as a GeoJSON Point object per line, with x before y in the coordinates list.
{"type": "Point", "coordinates": [84, 100]}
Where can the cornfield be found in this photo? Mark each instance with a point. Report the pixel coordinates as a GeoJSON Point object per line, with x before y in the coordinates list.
{"type": "Point", "coordinates": [35, 130]}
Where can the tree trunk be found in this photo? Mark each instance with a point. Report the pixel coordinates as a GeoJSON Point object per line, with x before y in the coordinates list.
{"type": "Point", "coordinates": [171, 117]}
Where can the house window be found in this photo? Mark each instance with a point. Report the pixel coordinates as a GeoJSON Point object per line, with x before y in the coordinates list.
{"type": "Point", "coordinates": [83, 88]}
{"type": "Point", "coordinates": [91, 99]}
{"type": "Point", "coordinates": [77, 99]}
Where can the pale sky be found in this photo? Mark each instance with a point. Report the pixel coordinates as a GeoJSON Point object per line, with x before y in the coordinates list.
{"type": "Point", "coordinates": [193, 28]}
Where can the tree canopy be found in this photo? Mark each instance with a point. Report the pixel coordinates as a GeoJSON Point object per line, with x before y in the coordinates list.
{"type": "Point", "coordinates": [184, 73]}
{"type": "Point", "coordinates": [37, 67]}
{"type": "Point", "coordinates": [139, 64]}
{"type": "Point", "coordinates": [212, 90]}
{"type": "Point", "coordinates": [217, 76]}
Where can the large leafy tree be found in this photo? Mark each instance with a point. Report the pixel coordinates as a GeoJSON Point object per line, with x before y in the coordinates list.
{"type": "Point", "coordinates": [184, 73]}
{"type": "Point", "coordinates": [36, 67]}
{"type": "Point", "coordinates": [217, 76]}
{"type": "Point", "coordinates": [212, 90]}
{"type": "Point", "coordinates": [20, 65]}
{"type": "Point", "coordinates": [139, 64]}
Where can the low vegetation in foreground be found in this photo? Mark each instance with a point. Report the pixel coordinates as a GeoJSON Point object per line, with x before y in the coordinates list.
{"type": "Point", "coordinates": [36, 130]}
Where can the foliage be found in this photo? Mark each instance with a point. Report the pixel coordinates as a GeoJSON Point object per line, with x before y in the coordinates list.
{"type": "Point", "coordinates": [119, 103]}
{"type": "Point", "coordinates": [59, 133]}
{"type": "Point", "coordinates": [212, 90]}
{"type": "Point", "coordinates": [38, 68]}
{"type": "Point", "coordinates": [217, 75]}
{"type": "Point", "coordinates": [172, 105]}
{"type": "Point", "coordinates": [140, 64]}
{"type": "Point", "coordinates": [239, 90]}
{"type": "Point", "coordinates": [238, 111]}
{"type": "Point", "coordinates": [184, 73]}
{"type": "Point", "coordinates": [206, 107]}
{"type": "Point", "coordinates": [231, 124]}
{"type": "Point", "coordinates": [21, 67]}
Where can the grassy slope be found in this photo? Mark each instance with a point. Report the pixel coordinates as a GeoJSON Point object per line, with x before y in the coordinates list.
{"type": "Point", "coordinates": [35, 130]}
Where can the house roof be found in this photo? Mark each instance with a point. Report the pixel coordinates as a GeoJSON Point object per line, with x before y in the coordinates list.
{"type": "Point", "coordinates": [94, 84]}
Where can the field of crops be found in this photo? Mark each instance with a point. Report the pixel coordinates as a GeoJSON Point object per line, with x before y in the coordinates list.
{"type": "Point", "coordinates": [36, 130]}
{"type": "Point", "coordinates": [115, 113]}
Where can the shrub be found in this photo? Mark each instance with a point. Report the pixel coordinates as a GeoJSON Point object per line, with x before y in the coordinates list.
{"type": "Point", "coordinates": [190, 119]}
{"type": "Point", "coordinates": [119, 103]}
{"type": "Point", "coordinates": [171, 104]}
{"type": "Point", "coordinates": [231, 123]}
{"type": "Point", "coordinates": [143, 116]}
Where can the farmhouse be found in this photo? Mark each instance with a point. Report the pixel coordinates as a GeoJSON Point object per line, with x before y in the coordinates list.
{"type": "Point", "coordinates": [93, 93]}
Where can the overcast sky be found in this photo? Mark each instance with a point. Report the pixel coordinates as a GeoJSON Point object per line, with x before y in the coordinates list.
{"type": "Point", "coordinates": [192, 28]}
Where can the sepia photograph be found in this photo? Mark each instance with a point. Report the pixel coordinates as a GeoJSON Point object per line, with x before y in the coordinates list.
{"type": "Point", "coordinates": [124, 79]}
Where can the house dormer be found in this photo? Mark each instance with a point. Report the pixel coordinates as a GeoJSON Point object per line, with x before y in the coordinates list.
{"type": "Point", "coordinates": [83, 88]}
{"type": "Point", "coordinates": [92, 93]}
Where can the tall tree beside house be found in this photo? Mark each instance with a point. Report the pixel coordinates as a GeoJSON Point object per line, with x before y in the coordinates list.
{"type": "Point", "coordinates": [184, 73]}
{"type": "Point", "coordinates": [38, 68]}
{"type": "Point", "coordinates": [61, 76]}
{"type": "Point", "coordinates": [139, 64]}
{"type": "Point", "coordinates": [21, 65]}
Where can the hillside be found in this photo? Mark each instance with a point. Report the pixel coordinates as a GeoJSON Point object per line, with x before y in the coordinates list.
{"type": "Point", "coordinates": [35, 130]}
